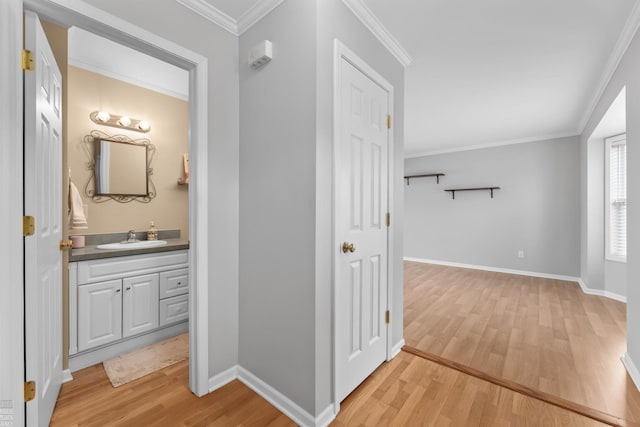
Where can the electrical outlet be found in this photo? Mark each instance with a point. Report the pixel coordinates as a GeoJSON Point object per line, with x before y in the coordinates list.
{"type": "Point", "coordinates": [520, 253]}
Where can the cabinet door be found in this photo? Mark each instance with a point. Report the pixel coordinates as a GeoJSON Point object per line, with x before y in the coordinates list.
{"type": "Point", "coordinates": [140, 304]}
{"type": "Point", "coordinates": [99, 314]}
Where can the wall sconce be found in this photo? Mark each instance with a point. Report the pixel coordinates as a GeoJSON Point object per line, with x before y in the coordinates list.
{"type": "Point", "coordinates": [123, 122]}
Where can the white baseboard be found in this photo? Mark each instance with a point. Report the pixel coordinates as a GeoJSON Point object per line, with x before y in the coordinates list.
{"type": "Point", "coordinates": [601, 293]}
{"type": "Point", "coordinates": [66, 376]}
{"type": "Point", "coordinates": [273, 396]}
{"type": "Point", "coordinates": [397, 348]}
{"type": "Point", "coordinates": [223, 378]}
{"type": "Point", "coordinates": [631, 369]}
{"type": "Point", "coordinates": [277, 399]}
{"type": "Point", "coordinates": [583, 286]}
{"type": "Point", "coordinates": [494, 269]}
{"type": "Point", "coordinates": [326, 417]}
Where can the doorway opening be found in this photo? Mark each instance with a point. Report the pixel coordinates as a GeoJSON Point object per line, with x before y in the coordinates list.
{"type": "Point", "coordinates": [95, 21]}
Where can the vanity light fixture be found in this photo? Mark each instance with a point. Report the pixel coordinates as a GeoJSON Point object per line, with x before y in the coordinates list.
{"type": "Point", "coordinates": [122, 122]}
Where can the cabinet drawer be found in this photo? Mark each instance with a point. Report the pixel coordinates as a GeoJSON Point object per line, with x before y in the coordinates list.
{"type": "Point", "coordinates": [174, 309]}
{"type": "Point", "coordinates": [174, 283]}
{"type": "Point", "coordinates": [114, 268]}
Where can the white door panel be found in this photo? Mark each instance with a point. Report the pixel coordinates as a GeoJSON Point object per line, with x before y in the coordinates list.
{"type": "Point", "coordinates": [43, 199]}
{"type": "Point", "coordinates": [362, 203]}
{"type": "Point", "coordinates": [99, 314]}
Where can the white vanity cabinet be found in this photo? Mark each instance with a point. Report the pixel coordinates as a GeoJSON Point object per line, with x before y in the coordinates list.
{"type": "Point", "coordinates": [114, 299]}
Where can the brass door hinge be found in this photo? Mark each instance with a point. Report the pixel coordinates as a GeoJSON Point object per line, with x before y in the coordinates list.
{"type": "Point", "coordinates": [27, 60]}
{"type": "Point", "coordinates": [388, 122]}
{"type": "Point", "coordinates": [28, 225]}
{"type": "Point", "coordinates": [387, 317]}
{"type": "Point", "coordinates": [29, 391]}
{"type": "Point", "coordinates": [388, 219]}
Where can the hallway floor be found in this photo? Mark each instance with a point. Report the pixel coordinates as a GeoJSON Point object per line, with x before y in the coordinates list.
{"type": "Point", "coordinates": [543, 332]}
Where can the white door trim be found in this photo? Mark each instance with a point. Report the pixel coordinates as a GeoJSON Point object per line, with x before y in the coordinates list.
{"type": "Point", "coordinates": [80, 14]}
{"type": "Point", "coordinates": [11, 256]}
{"type": "Point", "coordinates": [342, 52]}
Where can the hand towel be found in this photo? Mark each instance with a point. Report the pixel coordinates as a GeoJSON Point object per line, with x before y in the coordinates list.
{"type": "Point", "coordinates": [77, 220]}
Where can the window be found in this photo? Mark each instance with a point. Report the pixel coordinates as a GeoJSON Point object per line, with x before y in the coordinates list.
{"type": "Point", "coordinates": [616, 198]}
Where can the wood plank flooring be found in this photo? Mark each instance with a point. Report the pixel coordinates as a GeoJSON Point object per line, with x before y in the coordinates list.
{"type": "Point", "coordinates": [408, 391]}
{"type": "Point", "coordinates": [544, 334]}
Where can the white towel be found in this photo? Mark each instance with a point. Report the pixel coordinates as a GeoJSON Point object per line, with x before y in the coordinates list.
{"type": "Point", "coordinates": [77, 220]}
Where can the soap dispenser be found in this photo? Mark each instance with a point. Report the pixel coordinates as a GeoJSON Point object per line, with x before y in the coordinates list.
{"type": "Point", "coordinates": [152, 234]}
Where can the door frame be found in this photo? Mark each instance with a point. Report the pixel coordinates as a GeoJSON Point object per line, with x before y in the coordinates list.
{"type": "Point", "coordinates": [82, 15]}
{"type": "Point", "coordinates": [343, 53]}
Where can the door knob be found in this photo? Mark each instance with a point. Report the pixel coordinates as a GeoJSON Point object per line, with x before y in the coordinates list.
{"type": "Point", "coordinates": [348, 247]}
{"type": "Point", "coordinates": [65, 244]}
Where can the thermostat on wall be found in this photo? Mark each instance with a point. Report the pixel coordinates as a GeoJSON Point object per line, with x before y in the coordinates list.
{"type": "Point", "coordinates": [260, 54]}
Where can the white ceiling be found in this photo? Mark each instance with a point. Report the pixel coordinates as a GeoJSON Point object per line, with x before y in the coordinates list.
{"type": "Point", "coordinates": [496, 71]}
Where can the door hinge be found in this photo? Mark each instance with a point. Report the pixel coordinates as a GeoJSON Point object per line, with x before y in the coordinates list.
{"type": "Point", "coordinates": [28, 225]}
{"type": "Point", "coordinates": [388, 219]}
{"type": "Point", "coordinates": [27, 60]}
{"type": "Point", "coordinates": [29, 391]}
{"type": "Point", "coordinates": [388, 122]}
{"type": "Point", "coordinates": [387, 317]}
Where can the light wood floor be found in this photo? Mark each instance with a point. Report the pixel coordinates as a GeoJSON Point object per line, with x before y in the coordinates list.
{"type": "Point", "coordinates": [408, 391]}
{"type": "Point", "coordinates": [542, 333]}
{"type": "Point", "coordinates": [545, 334]}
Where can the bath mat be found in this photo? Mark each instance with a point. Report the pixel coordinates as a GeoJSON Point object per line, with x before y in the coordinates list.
{"type": "Point", "coordinates": [141, 362]}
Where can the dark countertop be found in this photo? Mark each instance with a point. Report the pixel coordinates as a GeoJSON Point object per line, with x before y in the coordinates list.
{"type": "Point", "coordinates": [91, 252]}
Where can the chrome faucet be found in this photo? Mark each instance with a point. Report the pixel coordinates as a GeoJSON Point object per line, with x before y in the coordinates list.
{"type": "Point", "coordinates": [131, 237]}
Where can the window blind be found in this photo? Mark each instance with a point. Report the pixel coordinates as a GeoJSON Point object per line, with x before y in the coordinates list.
{"type": "Point", "coordinates": [617, 177]}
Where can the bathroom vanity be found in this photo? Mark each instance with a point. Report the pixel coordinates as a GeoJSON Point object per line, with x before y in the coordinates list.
{"type": "Point", "coordinates": [121, 300]}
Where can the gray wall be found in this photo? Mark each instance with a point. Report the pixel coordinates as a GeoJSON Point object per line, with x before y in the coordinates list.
{"type": "Point", "coordinates": [536, 210]}
{"type": "Point", "coordinates": [277, 203]}
{"type": "Point", "coordinates": [221, 49]}
{"type": "Point", "coordinates": [286, 156]}
{"type": "Point", "coordinates": [627, 74]}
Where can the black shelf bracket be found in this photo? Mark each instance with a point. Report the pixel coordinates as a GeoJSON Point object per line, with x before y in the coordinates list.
{"type": "Point", "coordinates": [453, 190]}
{"type": "Point", "coordinates": [437, 175]}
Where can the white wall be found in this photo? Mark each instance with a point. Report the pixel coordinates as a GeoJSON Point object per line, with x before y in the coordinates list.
{"type": "Point", "coordinates": [221, 49]}
{"type": "Point", "coordinates": [535, 210]}
{"type": "Point", "coordinates": [627, 74]}
{"type": "Point", "coordinates": [285, 195]}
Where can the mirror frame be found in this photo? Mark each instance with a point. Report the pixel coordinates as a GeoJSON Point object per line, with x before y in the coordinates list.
{"type": "Point", "coordinates": [90, 190]}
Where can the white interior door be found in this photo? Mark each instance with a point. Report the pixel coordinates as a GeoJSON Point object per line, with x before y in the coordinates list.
{"type": "Point", "coordinates": [361, 207]}
{"type": "Point", "coordinates": [43, 200]}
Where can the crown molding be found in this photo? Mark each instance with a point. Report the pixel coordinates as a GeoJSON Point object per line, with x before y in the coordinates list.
{"type": "Point", "coordinates": [371, 21]}
{"type": "Point", "coordinates": [247, 20]}
{"type": "Point", "coordinates": [212, 14]}
{"type": "Point", "coordinates": [258, 11]}
{"type": "Point", "coordinates": [492, 144]}
{"type": "Point", "coordinates": [624, 40]}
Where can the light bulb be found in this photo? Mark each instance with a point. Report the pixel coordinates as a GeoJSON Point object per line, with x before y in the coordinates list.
{"type": "Point", "coordinates": [124, 121]}
{"type": "Point", "coordinates": [103, 116]}
{"type": "Point", "coordinates": [143, 125]}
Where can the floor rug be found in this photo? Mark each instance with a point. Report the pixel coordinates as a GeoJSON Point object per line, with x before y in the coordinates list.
{"type": "Point", "coordinates": [141, 362]}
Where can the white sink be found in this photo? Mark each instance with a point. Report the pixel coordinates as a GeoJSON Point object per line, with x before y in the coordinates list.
{"type": "Point", "coordinates": [139, 244]}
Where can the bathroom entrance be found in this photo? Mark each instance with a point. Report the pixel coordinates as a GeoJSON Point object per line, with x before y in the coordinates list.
{"type": "Point", "coordinates": [197, 291]}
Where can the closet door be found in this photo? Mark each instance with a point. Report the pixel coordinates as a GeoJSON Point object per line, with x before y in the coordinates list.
{"type": "Point", "coordinates": [99, 314]}
{"type": "Point", "coordinates": [140, 304]}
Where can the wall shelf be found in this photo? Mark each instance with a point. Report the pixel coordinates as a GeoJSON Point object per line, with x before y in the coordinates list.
{"type": "Point", "coordinates": [437, 175]}
{"type": "Point", "coordinates": [453, 190]}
